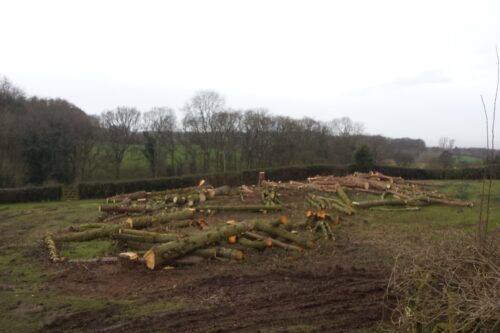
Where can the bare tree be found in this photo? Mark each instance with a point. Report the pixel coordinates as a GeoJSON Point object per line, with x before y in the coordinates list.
{"type": "Point", "coordinates": [446, 143]}
{"type": "Point", "coordinates": [345, 127]}
{"type": "Point", "coordinates": [159, 129]}
{"type": "Point", "coordinates": [225, 127]}
{"type": "Point", "coordinates": [120, 125]}
{"type": "Point", "coordinates": [198, 121]}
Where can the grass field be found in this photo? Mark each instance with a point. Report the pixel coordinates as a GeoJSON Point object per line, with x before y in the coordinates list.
{"type": "Point", "coordinates": [28, 300]}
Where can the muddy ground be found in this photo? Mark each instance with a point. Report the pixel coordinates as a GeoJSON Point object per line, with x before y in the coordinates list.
{"type": "Point", "coordinates": [340, 286]}
{"type": "Point", "coordinates": [280, 293]}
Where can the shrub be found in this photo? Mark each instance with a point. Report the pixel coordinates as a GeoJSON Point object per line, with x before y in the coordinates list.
{"type": "Point", "coordinates": [363, 158]}
{"type": "Point", "coordinates": [26, 194]}
{"type": "Point", "coordinates": [101, 190]}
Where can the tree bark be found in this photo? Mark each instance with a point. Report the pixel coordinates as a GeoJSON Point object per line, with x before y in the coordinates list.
{"type": "Point", "coordinates": [164, 253]}
{"type": "Point", "coordinates": [274, 242]}
{"type": "Point", "coordinates": [85, 226]}
{"type": "Point", "coordinates": [147, 221]}
{"type": "Point", "coordinates": [222, 252]}
{"type": "Point", "coordinates": [241, 208]}
{"type": "Point", "coordinates": [82, 236]}
{"type": "Point", "coordinates": [131, 196]}
{"type": "Point", "coordinates": [386, 202]}
{"type": "Point", "coordinates": [256, 244]}
{"type": "Point", "coordinates": [223, 190]}
{"type": "Point", "coordinates": [280, 232]}
{"type": "Point", "coordinates": [343, 196]}
{"type": "Point", "coordinates": [119, 209]}
{"type": "Point", "coordinates": [144, 236]}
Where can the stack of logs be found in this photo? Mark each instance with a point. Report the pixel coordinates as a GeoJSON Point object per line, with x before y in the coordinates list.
{"type": "Point", "coordinates": [161, 229]}
{"type": "Point", "coordinates": [393, 191]}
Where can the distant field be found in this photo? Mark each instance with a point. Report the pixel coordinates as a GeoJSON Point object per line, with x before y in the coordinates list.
{"type": "Point", "coordinates": [34, 293]}
{"type": "Point", "coordinates": [468, 160]}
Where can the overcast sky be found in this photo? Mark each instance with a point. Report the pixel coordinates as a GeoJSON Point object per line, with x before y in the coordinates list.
{"type": "Point", "coordinates": [403, 68]}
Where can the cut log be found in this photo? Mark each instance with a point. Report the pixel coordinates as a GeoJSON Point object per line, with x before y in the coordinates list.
{"type": "Point", "coordinates": [181, 224]}
{"type": "Point", "coordinates": [82, 236]}
{"type": "Point", "coordinates": [281, 232]}
{"type": "Point", "coordinates": [386, 202]}
{"type": "Point", "coordinates": [343, 196]}
{"type": "Point", "coordinates": [110, 218]}
{"type": "Point", "coordinates": [131, 196]}
{"type": "Point", "coordinates": [147, 221]}
{"type": "Point", "coordinates": [85, 226]}
{"type": "Point", "coordinates": [256, 244]}
{"type": "Point", "coordinates": [223, 190]}
{"type": "Point", "coordinates": [222, 252]}
{"type": "Point", "coordinates": [285, 246]}
{"type": "Point", "coordinates": [119, 209]}
{"type": "Point", "coordinates": [136, 246]}
{"type": "Point", "coordinates": [262, 177]}
{"type": "Point", "coordinates": [144, 236]}
{"type": "Point", "coordinates": [52, 250]}
{"type": "Point", "coordinates": [242, 208]}
{"type": "Point", "coordinates": [402, 209]}
{"type": "Point", "coordinates": [128, 259]}
{"type": "Point", "coordinates": [282, 220]}
{"type": "Point", "coordinates": [275, 242]}
{"type": "Point", "coordinates": [164, 253]}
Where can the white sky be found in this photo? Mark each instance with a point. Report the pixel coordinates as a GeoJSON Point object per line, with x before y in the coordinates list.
{"type": "Point", "coordinates": [403, 68]}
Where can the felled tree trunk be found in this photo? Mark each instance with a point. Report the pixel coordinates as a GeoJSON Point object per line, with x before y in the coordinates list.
{"type": "Point", "coordinates": [273, 241]}
{"type": "Point", "coordinates": [131, 196]}
{"type": "Point", "coordinates": [164, 253]}
{"type": "Point", "coordinates": [386, 202]}
{"type": "Point", "coordinates": [222, 252]}
{"type": "Point", "coordinates": [259, 244]}
{"type": "Point", "coordinates": [85, 226]}
{"type": "Point", "coordinates": [82, 236]}
{"type": "Point", "coordinates": [52, 250]}
{"type": "Point", "coordinates": [147, 221]}
{"type": "Point", "coordinates": [119, 209]}
{"type": "Point", "coordinates": [343, 196]}
{"type": "Point", "coordinates": [136, 246]}
{"type": "Point", "coordinates": [144, 236]}
{"type": "Point", "coordinates": [241, 208]}
{"type": "Point", "coordinates": [280, 232]}
{"type": "Point", "coordinates": [324, 202]}
{"type": "Point", "coordinates": [223, 190]}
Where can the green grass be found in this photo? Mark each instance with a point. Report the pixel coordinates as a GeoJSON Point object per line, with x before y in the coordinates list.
{"type": "Point", "coordinates": [467, 160]}
{"type": "Point", "coordinates": [437, 217]}
{"type": "Point", "coordinates": [86, 250]}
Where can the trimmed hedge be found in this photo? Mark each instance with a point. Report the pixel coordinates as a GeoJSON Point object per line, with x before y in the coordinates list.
{"type": "Point", "coordinates": [91, 190]}
{"type": "Point", "coordinates": [101, 190]}
{"type": "Point", "coordinates": [27, 194]}
{"type": "Point", "coordinates": [414, 173]}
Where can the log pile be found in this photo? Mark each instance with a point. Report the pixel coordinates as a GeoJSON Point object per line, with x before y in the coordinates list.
{"type": "Point", "coordinates": [393, 191]}
{"type": "Point", "coordinates": [178, 227]}
{"type": "Point", "coordinates": [168, 229]}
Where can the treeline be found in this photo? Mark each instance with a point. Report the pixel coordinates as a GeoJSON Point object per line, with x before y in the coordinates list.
{"type": "Point", "coordinates": [45, 140]}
